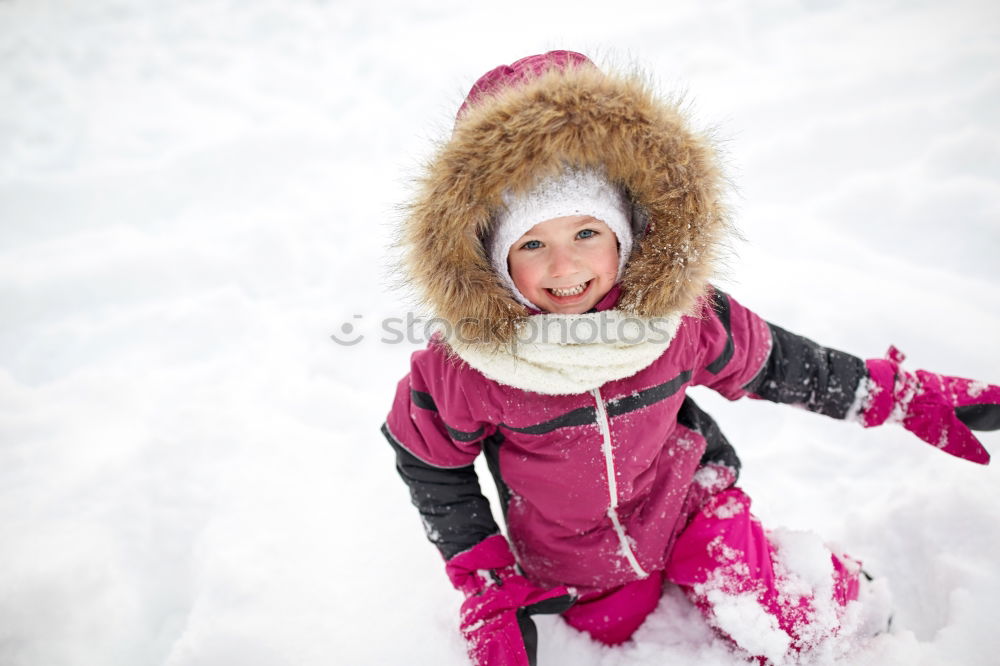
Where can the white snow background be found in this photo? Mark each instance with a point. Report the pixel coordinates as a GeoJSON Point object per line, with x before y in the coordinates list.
{"type": "Point", "coordinates": [195, 195]}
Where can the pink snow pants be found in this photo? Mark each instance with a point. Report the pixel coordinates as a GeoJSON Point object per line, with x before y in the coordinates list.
{"type": "Point", "coordinates": [726, 547]}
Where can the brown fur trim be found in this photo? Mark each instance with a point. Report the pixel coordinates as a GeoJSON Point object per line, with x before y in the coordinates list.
{"type": "Point", "coordinates": [582, 117]}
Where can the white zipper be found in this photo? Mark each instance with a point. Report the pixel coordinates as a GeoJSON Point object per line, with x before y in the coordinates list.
{"type": "Point", "coordinates": [609, 463]}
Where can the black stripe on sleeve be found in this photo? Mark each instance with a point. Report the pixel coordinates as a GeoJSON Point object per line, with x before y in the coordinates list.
{"type": "Point", "coordinates": [721, 306]}
{"type": "Point", "coordinates": [422, 400]}
{"type": "Point", "coordinates": [426, 401]}
{"type": "Point", "coordinates": [462, 436]}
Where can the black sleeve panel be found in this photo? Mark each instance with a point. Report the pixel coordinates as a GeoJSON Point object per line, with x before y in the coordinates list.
{"type": "Point", "coordinates": [718, 450]}
{"type": "Point", "coordinates": [455, 513]}
{"type": "Point", "coordinates": [799, 371]}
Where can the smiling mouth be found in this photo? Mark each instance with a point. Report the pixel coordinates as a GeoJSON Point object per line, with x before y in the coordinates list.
{"type": "Point", "coordinates": [569, 292]}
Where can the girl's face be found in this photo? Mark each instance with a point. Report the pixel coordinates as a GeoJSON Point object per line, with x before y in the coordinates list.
{"type": "Point", "coordinates": [565, 265]}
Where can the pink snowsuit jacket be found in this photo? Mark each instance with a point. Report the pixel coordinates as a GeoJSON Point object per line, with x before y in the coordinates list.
{"type": "Point", "coordinates": [593, 485]}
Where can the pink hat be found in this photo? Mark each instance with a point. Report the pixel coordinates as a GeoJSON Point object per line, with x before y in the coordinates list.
{"type": "Point", "coordinates": [503, 76]}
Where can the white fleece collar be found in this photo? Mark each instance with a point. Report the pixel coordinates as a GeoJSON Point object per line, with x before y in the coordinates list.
{"type": "Point", "coordinates": [567, 354]}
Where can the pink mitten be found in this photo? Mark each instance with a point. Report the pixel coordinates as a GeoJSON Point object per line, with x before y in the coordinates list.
{"type": "Point", "coordinates": [496, 615]}
{"type": "Point", "coordinates": [938, 409]}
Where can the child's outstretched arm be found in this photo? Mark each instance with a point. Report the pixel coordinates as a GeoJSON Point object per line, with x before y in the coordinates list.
{"type": "Point", "coordinates": [795, 370]}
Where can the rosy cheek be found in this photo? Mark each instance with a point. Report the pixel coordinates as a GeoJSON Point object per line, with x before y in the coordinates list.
{"type": "Point", "coordinates": [611, 264]}
{"type": "Point", "coordinates": [523, 277]}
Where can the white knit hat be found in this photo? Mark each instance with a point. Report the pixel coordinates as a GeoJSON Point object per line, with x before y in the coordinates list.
{"type": "Point", "coordinates": [574, 192]}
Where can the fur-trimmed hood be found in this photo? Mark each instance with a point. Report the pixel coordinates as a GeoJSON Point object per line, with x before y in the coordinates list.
{"type": "Point", "coordinates": [578, 116]}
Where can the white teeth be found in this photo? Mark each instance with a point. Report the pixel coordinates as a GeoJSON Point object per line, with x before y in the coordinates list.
{"type": "Point", "coordinates": [572, 291]}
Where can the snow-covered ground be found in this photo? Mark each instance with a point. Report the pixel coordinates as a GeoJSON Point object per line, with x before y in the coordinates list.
{"type": "Point", "coordinates": [195, 194]}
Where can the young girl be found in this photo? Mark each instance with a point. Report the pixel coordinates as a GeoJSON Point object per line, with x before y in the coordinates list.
{"type": "Point", "coordinates": [566, 232]}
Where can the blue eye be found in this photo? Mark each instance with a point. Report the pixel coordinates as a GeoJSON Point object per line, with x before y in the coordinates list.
{"type": "Point", "coordinates": [532, 245]}
{"type": "Point", "coordinates": [586, 233]}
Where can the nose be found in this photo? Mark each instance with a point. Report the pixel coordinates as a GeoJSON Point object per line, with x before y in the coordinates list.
{"type": "Point", "coordinates": [563, 261]}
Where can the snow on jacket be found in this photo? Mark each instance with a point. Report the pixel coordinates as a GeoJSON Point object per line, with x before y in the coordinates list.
{"type": "Point", "coordinates": [592, 482]}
